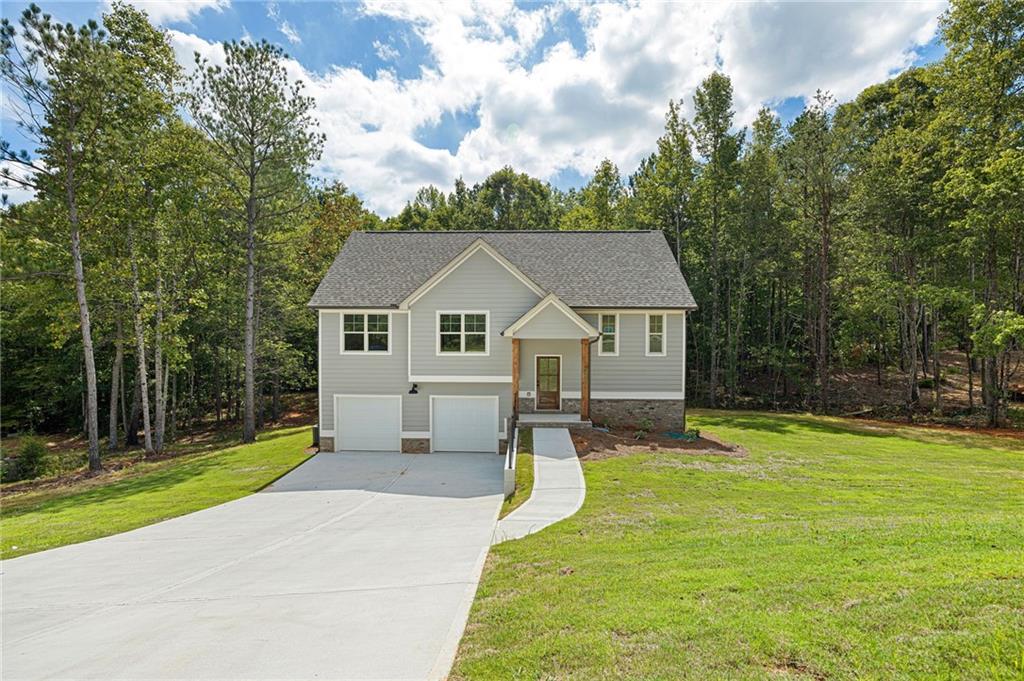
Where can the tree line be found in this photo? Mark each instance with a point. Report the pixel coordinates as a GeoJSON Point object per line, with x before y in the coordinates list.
{"type": "Point", "coordinates": [886, 231]}
{"type": "Point", "coordinates": [159, 276]}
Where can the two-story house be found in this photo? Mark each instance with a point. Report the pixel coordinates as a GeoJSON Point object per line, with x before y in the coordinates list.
{"type": "Point", "coordinates": [432, 341]}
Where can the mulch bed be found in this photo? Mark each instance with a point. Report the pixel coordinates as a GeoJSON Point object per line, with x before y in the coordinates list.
{"type": "Point", "coordinates": [594, 445]}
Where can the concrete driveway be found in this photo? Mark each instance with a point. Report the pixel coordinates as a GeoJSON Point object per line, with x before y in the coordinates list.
{"type": "Point", "coordinates": [359, 565]}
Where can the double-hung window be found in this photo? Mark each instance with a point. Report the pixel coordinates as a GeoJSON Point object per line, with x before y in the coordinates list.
{"type": "Point", "coordinates": [655, 334]}
{"type": "Point", "coordinates": [366, 332]}
{"type": "Point", "coordinates": [463, 333]}
{"type": "Point", "coordinates": [609, 324]}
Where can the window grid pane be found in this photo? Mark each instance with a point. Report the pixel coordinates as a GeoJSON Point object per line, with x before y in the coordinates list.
{"type": "Point", "coordinates": [608, 324]}
{"type": "Point", "coordinates": [377, 323]}
{"type": "Point", "coordinates": [451, 342]}
{"type": "Point", "coordinates": [451, 323]}
{"type": "Point", "coordinates": [657, 323]}
{"type": "Point", "coordinates": [354, 322]}
{"type": "Point", "coordinates": [476, 323]}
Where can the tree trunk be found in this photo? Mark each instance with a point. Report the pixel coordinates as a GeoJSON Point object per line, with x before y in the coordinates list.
{"type": "Point", "coordinates": [91, 399]}
{"type": "Point", "coordinates": [970, 380]}
{"type": "Point", "coordinates": [275, 404]}
{"type": "Point", "coordinates": [172, 433]}
{"type": "Point", "coordinates": [115, 384]}
{"type": "Point", "coordinates": [140, 347]}
{"type": "Point", "coordinates": [249, 425]}
{"type": "Point", "coordinates": [216, 385]}
{"type": "Point", "coordinates": [715, 306]}
{"type": "Point", "coordinates": [936, 366]}
{"type": "Point", "coordinates": [160, 387]}
{"type": "Point", "coordinates": [131, 436]}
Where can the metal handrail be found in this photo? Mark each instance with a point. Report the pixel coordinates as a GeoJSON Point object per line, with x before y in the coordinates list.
{"type": "Point", "coordinates": [513, 444]}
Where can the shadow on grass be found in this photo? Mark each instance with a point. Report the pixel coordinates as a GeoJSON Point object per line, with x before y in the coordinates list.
{"type": "Point", "coordinates": [790, 424]}
{"type": "Point", "coordinates": [169, 473]}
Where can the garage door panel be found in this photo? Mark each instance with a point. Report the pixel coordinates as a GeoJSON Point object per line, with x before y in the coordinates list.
{"type": "Point", "coordinates": [464, 424]}
{"type": "Point", "coordinates": [368, 423]}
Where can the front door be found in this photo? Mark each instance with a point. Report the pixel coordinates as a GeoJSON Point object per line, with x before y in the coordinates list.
{"type": "Point", "coordinates": [549, 379]}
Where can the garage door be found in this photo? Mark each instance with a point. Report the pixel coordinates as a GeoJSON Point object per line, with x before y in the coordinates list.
{"type": "Point", "coordinates": [464, 424]}
{"type": "Point", "coordinates": [368, 423]}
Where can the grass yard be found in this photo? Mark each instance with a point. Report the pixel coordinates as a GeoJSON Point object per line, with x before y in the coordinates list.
{"type": "Point", "coordinates": [835, 550]}
{"type": "Point", "coordinates": [146, 493]}
{"type": "Point", "coordinates": [524, 473]}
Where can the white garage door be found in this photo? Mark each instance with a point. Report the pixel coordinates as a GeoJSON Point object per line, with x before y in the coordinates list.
{"type": "Point", "coordinates": [368, 423]}
{"type": "Point", "coordinates": [464, 424]}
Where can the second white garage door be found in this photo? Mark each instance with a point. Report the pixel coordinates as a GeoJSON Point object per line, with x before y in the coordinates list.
{"type": "Point", "coordinates": [368, 423]}
{"type": "Point", "coordinates": [464, 424]}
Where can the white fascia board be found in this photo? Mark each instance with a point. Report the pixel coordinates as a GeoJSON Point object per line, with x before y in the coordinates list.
{"type": "Point", "coordinates": [551, 299]}
{"type": "Point", "coordinates": [460, 379]}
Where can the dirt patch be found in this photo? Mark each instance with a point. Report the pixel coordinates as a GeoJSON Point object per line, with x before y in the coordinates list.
{"type": "Point", "coordinates": [594, 445]}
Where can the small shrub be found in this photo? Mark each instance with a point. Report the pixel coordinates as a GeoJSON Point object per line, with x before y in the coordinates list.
{"type": "Point", "coordinates": [31, 457]}
{"type": "Point", "coordinates": [639, 434]}
{"type": "Point", "coordinates": [9, 470]}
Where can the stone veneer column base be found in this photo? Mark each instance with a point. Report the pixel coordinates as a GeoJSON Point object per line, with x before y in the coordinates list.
{"type": "Point", "coordinates": [326, 444]}
{"type": "Point", "coordinates": [418, 445]}
{"type": "Point", "coordinates": [570, 405]}
{"type": "Point", "coordinates": [663, 414]}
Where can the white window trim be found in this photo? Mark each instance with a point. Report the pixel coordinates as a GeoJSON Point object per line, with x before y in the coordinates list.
{"type": "Point", "coordinates": [600, 329]}
{"type": "Point", "coordinates": [536, 382]}
{"type": "Point", "coordinates": [647, 335]}
{"type": "Point", "coordinates": [366, 333]}
{"type": "Point", "coordinates": [462, 334]}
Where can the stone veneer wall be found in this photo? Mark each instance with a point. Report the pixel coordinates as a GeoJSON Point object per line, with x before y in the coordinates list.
{"type": "Point", "coordinates": [665, 414]}
{"type": "Point", "coordinates": [326, 444]}
{"type": "Point", "coordinates": [569, 406]}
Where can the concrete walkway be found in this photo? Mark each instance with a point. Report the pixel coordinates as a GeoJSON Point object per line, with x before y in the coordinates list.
{"type": "Point", "coordinates": [353, 566]}
{"type": "Point", "coordinates": [558, 486]}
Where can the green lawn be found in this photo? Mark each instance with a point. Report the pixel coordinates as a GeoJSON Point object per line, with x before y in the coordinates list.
{"type": "Point", "coordinates": [524, 473]}
{"type": "Point", "coordinates": [147, 493]}
{"type": "Point", "coordinates": [836, 549]}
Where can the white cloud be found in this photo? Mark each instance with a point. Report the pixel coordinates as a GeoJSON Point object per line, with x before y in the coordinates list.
{"type": "Point", "coordinates": [570, 109]}
{"type": "Point", "coordinates": [12, 176]}
{"type": "Point", "coordinates": [286, 29]}
{"type": "Point", "coordinates": [384, 51]}
{"type": "Point", "coordinates": [290, 33]}
{"type": "Point", "coordinates": [167, 11]}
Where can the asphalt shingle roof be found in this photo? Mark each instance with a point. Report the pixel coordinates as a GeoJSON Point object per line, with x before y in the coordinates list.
{"type": "Point", "coordinates": [585, 269]}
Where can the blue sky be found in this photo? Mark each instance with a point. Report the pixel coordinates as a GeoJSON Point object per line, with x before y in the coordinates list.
{"type": "Point", "coordinates": [418, 93]}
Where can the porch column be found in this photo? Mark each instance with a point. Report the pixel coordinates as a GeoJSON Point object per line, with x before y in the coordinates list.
{"type": "Point", "coordinates": [585, 379]}
{"type": "Point", "coordinates": [515, 377]}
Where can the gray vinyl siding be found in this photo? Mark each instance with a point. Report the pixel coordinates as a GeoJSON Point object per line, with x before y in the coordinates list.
{"type": "Point", "coordinates": [551, 323]}
{"type": "Point", "coordinates": [370, 374]}
{"type": "Point", "coordinates": [416, 408]}
{"type": "Point", "coordinates": [359, 374]}
{"type": "Point", "coordinates": [570, 365]}
{"type": "Point", "coordinates": [632, 370]}
{"type": "Point", "coordinates": [478, 284]}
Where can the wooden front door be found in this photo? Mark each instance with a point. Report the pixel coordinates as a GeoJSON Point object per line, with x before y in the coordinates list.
{"type": "Point", "coordinates": [549, 378]}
